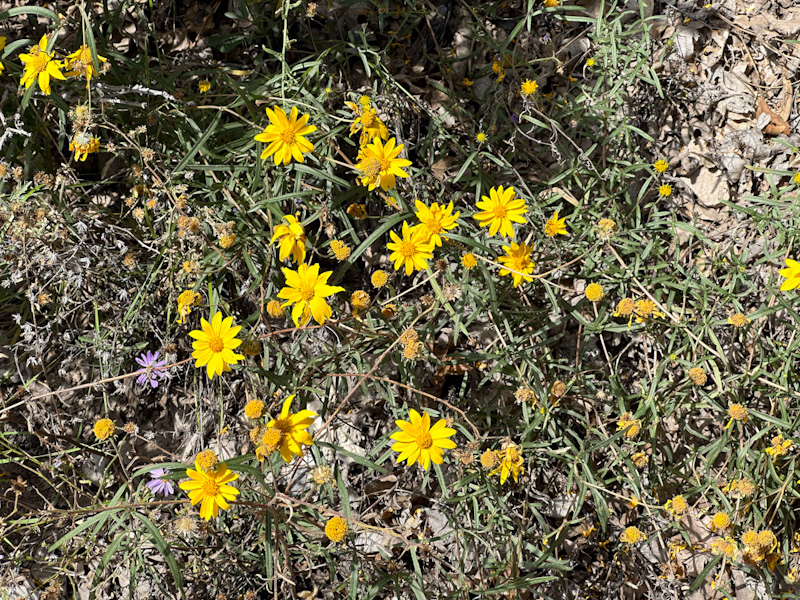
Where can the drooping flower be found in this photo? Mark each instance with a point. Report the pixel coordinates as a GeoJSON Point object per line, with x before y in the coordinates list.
{"type": "Point", "coordinates": [418, 442]}
{"type": "Point", "coordinates": [84, 144]}
{"type": "Point", "coordinates": [518, 262]}
{"type": "Point", "coordinates": [792, 274]}
{"type": "Point", "coordinates": [435, 220]}
{"type": "Point", "coordinates": [158, 485]}
{"type": "Point", "coordinates": [80, 63]}
{"type": "Point", "coordinates": [186, 301]}
{"type": "Point", "coordinates": [215, 343]}
{"type": "Point", "coordinates": [285, 136]}
{"type": "Point", "coordinates": [555, 226]}
{"type": "Point", "coordinates": [500, 210]}
{"type": "Point", "coordinates": [307, 289]}
{"type": "Point", "coordinates": [779, 446]}
{"type": "Point", "coordinates": [211, 489]}
{"type": "Point", "coordinates": [511, 462]}
{"type": "Point", "coordinates": [150, 375]}
{"type": "Point", "coordinates": [646, 309]}
{"type": "Point", "coordinates": [379, 164]}
{"type": "Point", "coordinates": [40, 65]}
{"type": "Point", "coordinates": [291, 237]}
{"type": "Point", "coordinates": [368, 122]}
{"type": "Point", "coordinates": [292, 428]}
{"type": "Point", "coordinates": [412, 251]}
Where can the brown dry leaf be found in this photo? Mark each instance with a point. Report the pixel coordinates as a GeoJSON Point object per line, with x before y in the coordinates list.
{"type": "Point", "coordinates": [440, 167]}
{"type": "Point", "coordinates": [777, 124]}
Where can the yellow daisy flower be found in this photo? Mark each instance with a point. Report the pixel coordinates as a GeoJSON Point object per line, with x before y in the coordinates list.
{"type": "Point", "coordinates": [511, 463]}
{"type": "Point", "coordinates": [40, 65]}
{"type": "Point", "coordinates": [792, 274]}
{"type": "Point", "coordinates": [500, 209]}
{"type": "Point", "coordinates": [418, 442]}
{"type": "Point", "coordinates": [529, 87]}
{"type": "Point", "coordinates": [210, 488]}
{"type": "Point", "coordinates": [412, 250]}
{"type": "Point", "coordinates": [285, 136]}
{"type": "Point", "coordinates": [84, 144]}
{"type": "Point", "coordinates": [307, 289]}
{"type": "Point", "coordinates": [519, 263]}
{"type": "Point", "coordinates": [215, 344]}
{"type": "Point", "coordinates": [555, 226]}
{"type": "Point", "coordinates": [435, 220]}
{"type": "Point", "coordinates": [2, 45]}
{"type": "Point", "coordinates": [379, 164]}
{"type": "Point", "coordinates": [80, 63]}
{"type": "Point", "coordinates": [292, 427]}
{"type": "Point", "coordinates": [291, 239]}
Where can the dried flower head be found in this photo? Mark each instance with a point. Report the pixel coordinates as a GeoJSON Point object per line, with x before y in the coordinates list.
{"type": "Point", "coordinates": [254, 409]}
{"type": "Point", "coordinates": [524, 394]}
{"type": "Point", "coordinates": [357, 211]}
{"type": "Point", "coordinates": [275, 309]}
{"type": "Point", "coordinates": [360, 300]}
{"type": "Point", "coordinates": [631, 425]}
{"type": "Point", "coordinates": [698, 375]}
{"type": "Point", "coordinates": [489, 459]}
{"type": "Point", "coordinates": [639, 459]}
{"type": "Point", "coordinates": [251, 347]}
{"type": "Point", "coordinates": [645, 309]}
{"type": "Point", "coordinates": [720, 521]}
{"type": "Point", "coordinates": [468, 260]}
{"type": "Point", "coordinates": [340, 250]}
{"type": "Point", "coordinates": [738, 320]}
{"type": "Point", "coordinates": [677, 506]}
{"type": "Point", "coordinates": [206, 460]}
{"type": "Point", "coordinates": [322, 475]}
{"type": "Point", "coordinates": [389, 311]}
{"type": "Point", "coordinates": [632, 535]}
{"type": "Point", "coordinates": [625, 308]}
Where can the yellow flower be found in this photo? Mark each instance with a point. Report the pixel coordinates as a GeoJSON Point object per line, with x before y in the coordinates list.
{"type": "Point", "coordinates": [676, 506]}
{"type": "Point", "coordinates": [368, 122]}
{"type": "Point", "coordinates": [639, 459]}
{"type": "Point", "coordinates": [39, 65]}
{"type": "Point", "coordinates": [254, 409]}
{"type": "Point", "coordinates": [720, 521]}
{"type": "Point", "coordinates": [291, 239]}
{"type": "Point", "coordinates": [738, 320]}
{"type": "Point", "coordinates": [435, 220]}
{"type": "Point", "coordinates": [792, 274]}
{"type": "Point", "coordinates": [489, 459]}
{"type": "Point", "coordinates": [550, 3]}
{"type": "Point", "coordinates": [379, 164]}
{"type": "Point", "coordinates": [665, 191]}
{"type": "Point", "coordinates": [379, 278]}
{"type": "Point", "coordinates": [645, 309]}
{"type": "Point", "coordinates": [726, 546]}
{"type": "Point", "coordinates": [500, 209]}
{"type": "Point", "coordinates": [103, 429]}
{"type": "Point", "coordinates": [336, 529]}
{"type": "Point", "coordinates": [518, 262]}
{"type": "Point", "coordinates": [594, 292]}
{"type": "Point", "coordinates": [698, 375]}
{"type": "Point", "coordinates": [468, 260]}
{"type": "Point", "coordinates": [186, 300]}
{"type": "Point", "coordinates": [80, 63]}
{"type": "Point", "coordinates": [275, 309]}
{"type": "Point", "coordinates": [340, 250]}
{"type": "Point", "coordinates": [2, 45]}
{"type": "Point", "coordinates": [83, 144]}
{"type": "Point", "coordinates": [307, 289]}
{"type": "Point", "coordinates": [211, 489]}
{"type": "Point", "coordinates": [480, 138]}
{"type": "Point", "coordinates": [796, 177]}
{"type": "Point", "coordinates": [465, 81]}
{"type": "Point", "coordinates": [661, 165]}
{"type": "Point", "coordinates": [555, 226]}
{"type": "Point", "coordinates": [214, 345]}
{"type": "Point", "coordinates": [529, 87]}
{"type": "Point", "coordinates": [511, 462]}
{"type": "Point", "coordinates": [357, 211]}
{"type": "Point", "coordinates": [360, 300]}
{"type": "Point", "coordinates": [779, 446]}
{"type": "Point", "coordinates": [418, 442]}
{"type": "Point", "coordinates": [389, 311]}
{"type": "Point", "coordinates": [204, 86]}
{"type": "Point", "coordinates": [737, 412]}
{"type": "Point", "coordinates": [625, 308]}
{"type": "Point", "coordinates": [590, 63]}
{"type": "Point", "coordinates": [631, 425]}
{"type": "Point", "coordinates": [206, 460]}
{"type": "Point", "coordinates": [632, 535]}
{"type": "Point", "coordinates": [292, 427]}
{"type": "Point", "coordinates": [412, 250]}
{"type": "Point", "coordinates": [285, 136]}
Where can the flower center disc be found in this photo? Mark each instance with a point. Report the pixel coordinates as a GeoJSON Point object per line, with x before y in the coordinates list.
{"type": "Point", "coordinates": [287, 136]}
{"type": "Point", "coordinates": [408, 249]}
{"type": "Point", "coordinates": [372, 168]}
{"type": "Point", "coordinates": [216, 344]}
{"type": "Point", "coordinates": [40, 62]}
{"type": "Point", "coordinates": [425, 441]}
{"type": "Point", "coordinates": [210, 488]}
{"type": "Point", "coordinates": [306, 293]}
{"type": "Point", "coordinates": [283, 425]}
{"type": "Point", "coordinates": [500, 212]}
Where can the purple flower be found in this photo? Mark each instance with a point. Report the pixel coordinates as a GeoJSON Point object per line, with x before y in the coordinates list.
{"type": "Point", "coordinates": [515, 118]}
{"type": "Point", "coordinates": [158, 485]}
{"type": "Point", "coordinates": [149, 375]}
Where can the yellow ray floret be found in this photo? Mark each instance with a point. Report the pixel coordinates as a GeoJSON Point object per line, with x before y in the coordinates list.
{"type": "Point", "coordinates": [39, 65]}
{"type": "Point", "coordinates": [210, 488]}
{"type": "Point", "coordinates": [286, 136]}
{"type": "Point", "coordinates": [418, 442]}
{"type": "Point", "coordinates": [499, 210]}
{"type": "Point", "coordinates": [215, 344]}
{"type": "Point", "coordinates": [307, 289]}
{"type": "Point", "coordinates": [379, 164]}
{"type": "Point", "coordinates": [292, 427]}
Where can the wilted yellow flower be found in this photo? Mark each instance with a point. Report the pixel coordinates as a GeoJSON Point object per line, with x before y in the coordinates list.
{"type": "Point", "coordinates": [291, 238]}
{"type": "Point", "coordinates": [738, 320]}
{"type": "Point", "coordinates": [186, 301]}
{"type": "Point", "coordinates": [739, 488]}
{"type": "Point", "coordinates": [632, 535]}
{"type": "Point", "coordinates": [631, 425]}
{"type": "Point", "coordinates": [357, 211]}
{"type": "Point", "coordinates": [779, 446]}
{"type": "Point", "coordinates": [726, 546]}
{"type": "Point", "coordinates": [360, 300]}
{"type": "Point", "coordinates": [720, 521]}
{"type": "Point", "coordinates": [676, 506]}
{"type": "Point", "coordinates": [489, 459]}
{"type": "Point", "coordinates": [336, 529]}
{"type": "Point", "coordinates": [103, 429]}
{"type": "Point", "coordinates": [511, 462]}
{"type": "Point", "coordinates": [204, 85]}
{"type": "Point", "coordinates": [645, 309]}
{"type": "Point", "coordinates": [340, 250]}
{"type": "Point", "coordinates": [206, 460]}
{"type": "Point", "coordinates": [83, 144]}
{"type": "Point", "coordinates": [80, 63]}
{"type": "Point", "coordinates": [625, 308]}
{"type": "Point", "coordinates": [698, 375]}
{"type": "Point", "coordinates": [275, 309]}
{"type": "Point", "coordinates": [639, 459]}
{"type": "Point", "coordinates": [529, 87]}
{"type": "Point", "coordinates": [737, 412]}
{"type": "Point", "coordinates": [389, 311]}
{"type": "Point", "coordinates": [367, 122]}
{"type": "Point", "coordinates": [254, 409]}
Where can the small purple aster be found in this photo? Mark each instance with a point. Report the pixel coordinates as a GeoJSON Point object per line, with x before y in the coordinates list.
{"type": "Point", "coordinates": [159, 485]}
{"type": "Point", "coordinates": [515, 118]}
{"type": "Point", "coordinates": [150, 362]}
